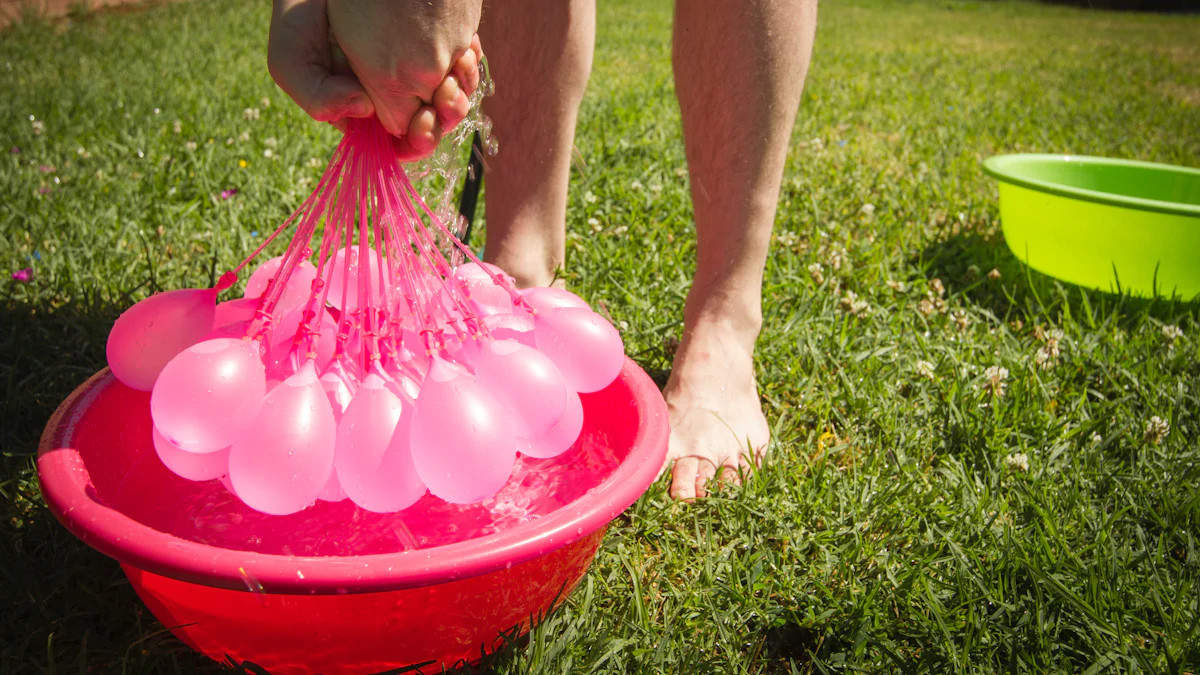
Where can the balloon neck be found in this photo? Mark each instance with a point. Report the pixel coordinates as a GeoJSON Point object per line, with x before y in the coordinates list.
{"type": "Point", "coordinates": [440, 371]}
{"type": "Point", "coordinates": [304, 376]}
{"type": "Point", "coordinates": [228, 279]}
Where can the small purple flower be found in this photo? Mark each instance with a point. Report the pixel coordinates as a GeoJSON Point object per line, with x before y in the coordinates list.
{"type": "Point", "coordinates": [15, 150]}
{"type": "Point", "coordinates": [43, 190]}
{"type": "Point", "coordinates": [46, 168]}
{"type": "Point", "coordinates": [226, 194]}
{"type": "Point", "coordinates": [23, 275]}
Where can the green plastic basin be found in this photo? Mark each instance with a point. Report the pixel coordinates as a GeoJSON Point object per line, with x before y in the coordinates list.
{"type": "Point", "coordinates": [1108, 224]}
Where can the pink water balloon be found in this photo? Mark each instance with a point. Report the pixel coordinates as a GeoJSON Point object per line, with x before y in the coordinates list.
{"type": "Point", "coordinates": [546, 299]}
{"type": "Point", "coordinates": [152, 332]}
{"type": "Point", "coordinates": [335, 382]}
{"type": "Point", "coordinates": [208, 395]}
{"type": "Point", "coordinates": [282, 340]}
{"type": "Point", "coordinates": [337, 273]}
{"type": "Point", "coordinates": [235, 330]}
{"type": "Point", "coordinates": [518, 327]}
{"type": "Point", "coordinates": [525, 381]}
{"type": "Point", "coordinates": [373, 460]}
{"type": "Point", "coordinates": [283, 462]}
{"type": "Point", "coordinates": [462, 442]}
{"type": "Point", "coordinates": [491, 298]}
{"type": "Point", "coordinates": [560, 437]}
{"type": "Point", "coordinates": [295, 290]}
{"type": "Point", "coordinates": [337, 389]}
{"type": "Point", "coordinates": [586, 348]}
{"type": "Point", "coordinates": [235, 311]}
{"type": "Point", "coordinates": [191, 465]}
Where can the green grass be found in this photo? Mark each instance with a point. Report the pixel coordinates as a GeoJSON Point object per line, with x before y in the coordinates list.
{"type": "Point", "coordinates": [886, 532]}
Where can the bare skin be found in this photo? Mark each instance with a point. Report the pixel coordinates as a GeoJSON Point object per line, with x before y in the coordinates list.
{"type": "Point", "coordinates": [739, 72]}
{"type": "Point", "coordinates": [541, 61]}
{"type": "Point", "coordinates": [340, 59]}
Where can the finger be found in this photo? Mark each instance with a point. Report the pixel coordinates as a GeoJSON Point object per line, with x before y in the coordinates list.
{"type": "Point", "coordinates": [396, 112]}
{"type": "Point", "coordinates": [467, 71]}
{"type": "Point", "coordinates": [324, 96]}
{"type": "Point", "coordinates": [683, 479]}
{"type": "Point", "coordinates": [421, 137]}
{"type": "Point", "coordinates": [705, 471]}
{"type": "Point", "coordinates": [450, 103]}
{"type": "Point", "coordinates": [477, 47]}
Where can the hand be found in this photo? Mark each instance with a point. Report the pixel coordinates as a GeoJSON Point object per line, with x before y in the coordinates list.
{"type": "Point", "coordinates": [416, 82]}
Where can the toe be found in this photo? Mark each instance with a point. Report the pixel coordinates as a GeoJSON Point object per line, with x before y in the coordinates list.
{"type": "Point", "coordinates": [731, 473]}
{"type": "Point", "coordinates": [705, 471]}
{"type": "Point", "coordinates": [683, 479]}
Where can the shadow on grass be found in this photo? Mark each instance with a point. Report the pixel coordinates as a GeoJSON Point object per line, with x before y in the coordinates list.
{"type": "Point", "coordinates": [67, 608]}
{"type": "Point", "coordinates": [962, 261]}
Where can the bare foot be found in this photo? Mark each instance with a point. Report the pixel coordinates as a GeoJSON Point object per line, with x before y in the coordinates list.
{"type": "Point", "coordinates": [717, 423]}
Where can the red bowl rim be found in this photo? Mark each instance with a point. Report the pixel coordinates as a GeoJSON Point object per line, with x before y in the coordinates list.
{"type": "Point", "coordinates": [65, 484]}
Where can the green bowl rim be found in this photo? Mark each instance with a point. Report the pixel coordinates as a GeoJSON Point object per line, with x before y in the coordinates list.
{"type": "Point", "coordinates": [998, 167]}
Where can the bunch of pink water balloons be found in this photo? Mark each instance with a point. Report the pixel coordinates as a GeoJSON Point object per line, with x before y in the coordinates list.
{"type": "Point", "coordinates": [376, 374]}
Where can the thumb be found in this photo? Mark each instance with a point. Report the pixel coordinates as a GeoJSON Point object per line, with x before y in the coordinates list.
{"type": "Point", "coordinates": [336, 97]}
{"type": "Point", "coordinates": [300, 60]}
{"type": "Point", "coordinates": [325, 96]}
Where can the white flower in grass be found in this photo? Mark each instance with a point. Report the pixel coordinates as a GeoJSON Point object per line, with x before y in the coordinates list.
{"type": "Point", "coordinates": [190, 146]}
{"type": "Point", "coordinates": [868, 209]}
{"type": "Point", "coordinates": [589, 198]}
{"type": "Point", "coordinates": [82, 152]}
{"type": "Point", "coordinates": [1156, 430]}
{"type": "Point", "coordinates": [996, 379]}
{"type": "Point", "coordinates": [314, 162]}
{"type": "Point", "coordinates": [621, 230]}
{"type": "Point", "coordinates": [177, 126]}
{"type": "Point", "coordinates": [897, 286]}
{"type": "Point", "coordinates": [924, 369]}
{"type": "Point", "coordinates": [994, 274]}
{"type": "Point", "coordinates": [1096, 438]}
{"type": "Point", "coordinates": [265, 102]}
{"type": "Point", "coordinates": [817, 272]}
{"type": "Point", "coordinates": [656, 188]}
{"type": "Point", "coordinates": [250, 113]}
{"type": "Point", "coordinates": [244, 136]}
{"type": "Point", "coordinates": [961, 319]}
{"type": "Point", "coordinates": [594, 224]}
{"type": "Point", "coordinates": [1171, 332]}
{"type": "Point", "coordinates": [38, 126]}
{"type": "Point", "coordinates": [636, 185]}
{"type": "Point", "coordinates": [1017, 461]}
{"type": "Point", "coordinates": [271, 142]}
{"type": "Point", "coordinates": [853, 304]}
{"type": "Point", "coordinates": [268, 153]}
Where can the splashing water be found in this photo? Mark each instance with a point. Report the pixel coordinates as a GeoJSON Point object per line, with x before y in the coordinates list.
{"type": "Point", "coordinates": [207, 513]}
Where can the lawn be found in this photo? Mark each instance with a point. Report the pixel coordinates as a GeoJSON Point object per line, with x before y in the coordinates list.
{"type": "Point", "coordinates": [967, 474]}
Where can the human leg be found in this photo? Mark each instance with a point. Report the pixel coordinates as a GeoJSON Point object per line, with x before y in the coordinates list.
{"type": "Point", "coordinates": [540, 55]}
{"type": "Point", "coordinates": [739, 71]}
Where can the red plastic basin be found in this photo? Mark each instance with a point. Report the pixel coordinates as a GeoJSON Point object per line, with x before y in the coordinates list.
{"type": "Point", "coordinates": [340, 613]}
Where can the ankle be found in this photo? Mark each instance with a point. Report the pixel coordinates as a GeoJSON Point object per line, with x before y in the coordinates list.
{"type": "Point", "coordinates": [527, 271]}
